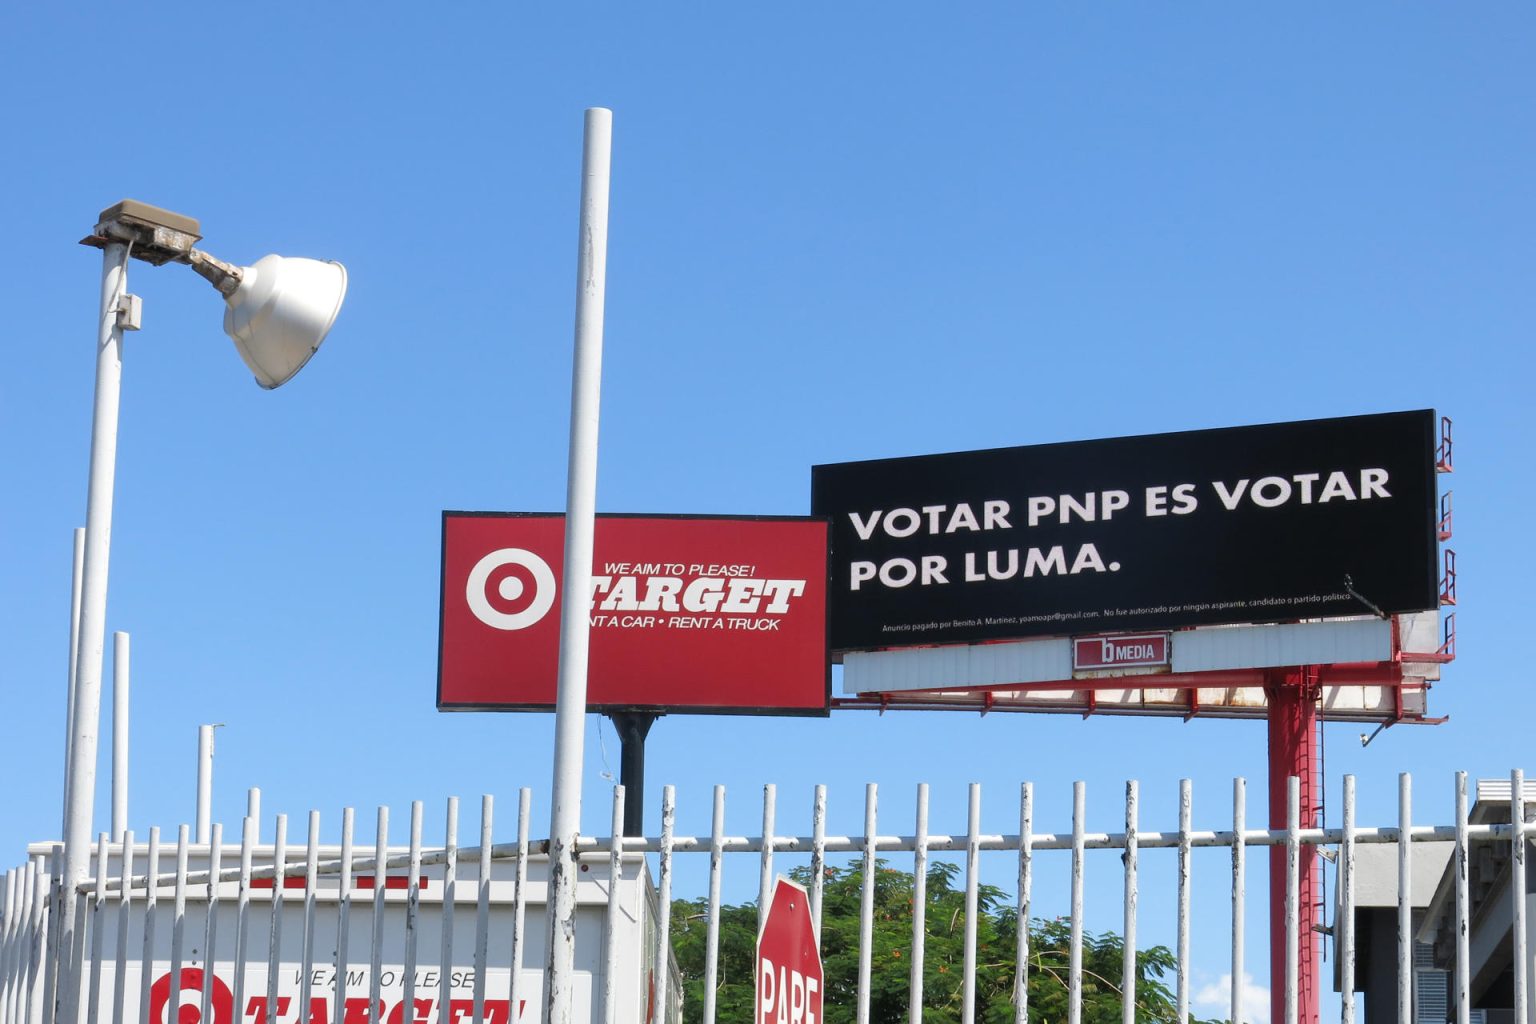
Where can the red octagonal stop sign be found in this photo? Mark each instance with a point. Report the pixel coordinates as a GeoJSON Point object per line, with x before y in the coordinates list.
{"type": "Point", "coordinates": [789, 978]}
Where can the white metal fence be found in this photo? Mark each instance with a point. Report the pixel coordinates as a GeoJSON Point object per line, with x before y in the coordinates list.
{"type": "Point", "coordinates": [332, 917]}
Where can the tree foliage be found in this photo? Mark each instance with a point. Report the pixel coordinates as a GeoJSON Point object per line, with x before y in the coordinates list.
{"type": "Point", "coordinates": [943, 956]}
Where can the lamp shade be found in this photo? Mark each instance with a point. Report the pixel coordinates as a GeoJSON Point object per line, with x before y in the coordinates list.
{"type": "Point", "coordinates": [281, 312]}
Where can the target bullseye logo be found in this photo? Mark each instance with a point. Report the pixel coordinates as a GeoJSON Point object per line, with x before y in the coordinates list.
{"type": "Point", "coordinates": [189, 999]}
{"type": "Point", "coordinates": [510, 588]}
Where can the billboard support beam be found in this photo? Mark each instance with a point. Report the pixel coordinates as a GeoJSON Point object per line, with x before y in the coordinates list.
{"type": "Point", "coordinates": [1293, 751]}
{"type": "Point", "coordinates": [632, 727]}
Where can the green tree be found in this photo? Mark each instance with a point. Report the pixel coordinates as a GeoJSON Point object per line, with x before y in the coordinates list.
{"type": "Point", "coordinates": [943, 956]}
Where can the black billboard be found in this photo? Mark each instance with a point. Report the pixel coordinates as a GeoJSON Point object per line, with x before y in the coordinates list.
{"type": "Point", "coordinates": [1268, 523]}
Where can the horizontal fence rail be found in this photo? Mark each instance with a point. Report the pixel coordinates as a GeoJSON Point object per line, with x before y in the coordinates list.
{"type": "Point", "coordinates": [297, 931]}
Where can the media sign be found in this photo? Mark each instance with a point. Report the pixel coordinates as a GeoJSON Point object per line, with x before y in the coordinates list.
{"type": "Point", "coordinates": [1097, 653]}
{"type": "Point", "coordinates": [1285, 521]}
{"type": "Point", "coordinates": [689, 613]}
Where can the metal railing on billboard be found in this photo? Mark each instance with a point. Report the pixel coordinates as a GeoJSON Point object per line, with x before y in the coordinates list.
{"type": "Point", "coordinates": [440, 934]}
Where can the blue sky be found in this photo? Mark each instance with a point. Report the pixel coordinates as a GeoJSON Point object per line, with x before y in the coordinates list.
{"type": "Point", "coordinates": [836, 234]}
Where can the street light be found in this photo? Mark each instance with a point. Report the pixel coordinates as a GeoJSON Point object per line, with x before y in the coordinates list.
{"type": "Point", "coordinates": [280, 309]}
{"type": "Point", "coordinates": [278, 312]}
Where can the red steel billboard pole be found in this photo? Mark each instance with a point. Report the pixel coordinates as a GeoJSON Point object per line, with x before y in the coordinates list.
{"type": "Point", "coordinates": [1293, 752]}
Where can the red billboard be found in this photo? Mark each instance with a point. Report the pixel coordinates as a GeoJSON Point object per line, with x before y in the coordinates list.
{"type": "Point", "coordinates": [703, 614]}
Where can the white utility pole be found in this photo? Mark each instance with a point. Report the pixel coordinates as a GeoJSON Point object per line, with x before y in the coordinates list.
{"type": "Point", "coordinates": [580, 514]}
{"type": "Point", "coordinates": [120, 666]}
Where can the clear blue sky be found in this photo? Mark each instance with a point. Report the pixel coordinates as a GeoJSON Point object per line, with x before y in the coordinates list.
{"type": "Point", "coordinates": [837, 233]}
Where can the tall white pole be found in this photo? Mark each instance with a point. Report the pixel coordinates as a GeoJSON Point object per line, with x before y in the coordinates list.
{"type": "Point", "coordinates": [204, 783]}
{"type": "Point", "coordinates": [80, 784]}
{"type": "Point", "coordinates": [74, 655]}
{"type": "Point", "coordinates": [120, 667]}
{"type": "Point", "coordinates": [580, 511]}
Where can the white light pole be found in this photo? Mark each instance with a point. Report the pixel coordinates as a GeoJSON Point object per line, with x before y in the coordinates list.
{"type": "Point", "coordinates": [204, 819]}
{"type": "Point", "coordinates": [580, 512]}
{"type": "Point", "coordinates": [120, 691]}
{"type": "Point", "coordinates": [278, 312]}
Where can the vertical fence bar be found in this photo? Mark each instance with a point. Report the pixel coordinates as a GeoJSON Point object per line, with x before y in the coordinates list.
{"type": "Point", "coordinates": [765, 871]}
{"type": "Point", "coordinates": [242, 913]}
{"type": "Point", "coordinates": [21, 941]}
{"type": "Point", "coordinates": [450, 893]}
{"type": "Point", "coordinates": [344, 915]}
{"type": "Point", "coordinates": [124, 906]}
{"type": "Point", "coordinates": [664, 901]}
{"type": "Point", "coordinates": [1026, 879]}
{"type": "Point", "coordinates": [866, 901]}
{"type": "Point", "coordinates": [1186, 807]}
{"type": "Point", "coordinates": [151, 897]}
{"type": "Point", "coordinates": [1239, 892]}
{"type": "Point", "coordinates": [380, 890]}
{"type": "Point", "coordinates": [21, 954]}
{"type": "Point", "coordinates": [1345, 939]}
{"type": "Point", "coordinates": [1292, 896]}
{"type": "Point", "coordinates": [520, 894]}
{"type": "Point", "coordinates": [51, 964]}
{"type": "Point", "coordinates": [1404, 899]}
{"type": "Point", "coordinates": [412, 914]}
{"type": "Point", "coordinates": [482, 908]}
{"type": "Point", "coordinates": [98, 904]}
{"type": "Point", "coordinates": [919, 905]}
{"type": "Point", "coordinates": [10, 935]}
{"type": "Point", "coordinates": [275, 936]}
{"type": "Point", "coordinates": [972, 900]}
{"type": "Point", "coordinates": [15, 920]}
{"type": "Point", "coordinates": [1075, 953]}
{"type": "Point", "coordinates": [36, 948]}
{"type": "Point", "coordinates": [1517, 891]}
{"type": "Point", "coordinates": [10, 940]}
{"type": "Point", "coordinates": [311, 883]}
{"type": "Point", "coordinates": [611, 940]}
{"type": "Point", "coordinates": [1128, 952]}
{"type": "Point", "coordinates": [9, 918]}
{"type": "Point", "coordinates": [15, 939]}
{"type": "Point", "coordinates": [21, 972]}
{"type": "Point", "coordinates": [178, 920]}
{"type": "Point", "coordinates": [712, 924]}
{"type": "Point", "coordinates": [37, 967]}
{"type": "Point", "coordinates": [818, 856]}
{"type": "Point", "coordinates": [26, 934]}
{"type": "Point", "coordinates": [1462, 977]}
{"type": "Point", "coordinates": [15, 936]}
{"type": "Point", "coordinates": [211, 919]}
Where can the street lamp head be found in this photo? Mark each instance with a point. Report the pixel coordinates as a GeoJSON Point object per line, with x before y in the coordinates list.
{"type": "Point", "coordinates": [281, 311]}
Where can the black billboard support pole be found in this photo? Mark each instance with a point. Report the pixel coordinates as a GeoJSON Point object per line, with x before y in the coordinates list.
{"type": "Point", "coordinates": [632, 727]}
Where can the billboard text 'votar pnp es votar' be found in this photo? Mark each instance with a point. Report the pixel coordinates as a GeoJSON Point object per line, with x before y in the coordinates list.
{"type": "Point", "coordinates": [688, 613]}
{"type": "Point", "coordinates": [1284, 521]}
